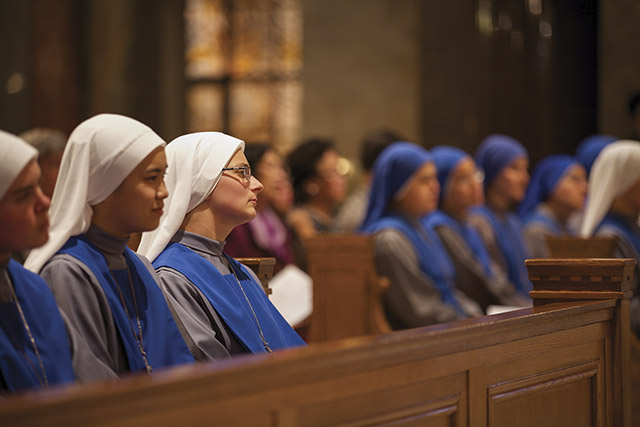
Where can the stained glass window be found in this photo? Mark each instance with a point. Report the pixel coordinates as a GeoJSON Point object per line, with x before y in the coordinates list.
{"type": "Point", "coordinates": [243, 68]}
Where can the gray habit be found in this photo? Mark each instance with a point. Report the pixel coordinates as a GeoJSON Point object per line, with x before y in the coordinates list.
{"type": "Point", "coordinates": [412, 300]}
{"type": "Point", "coordinates": [471, 277]}
{"type": "Point", "coordinates": [83, 301]}
{"type": "Point", "coordinates": [212, 338]}
{"type": "Point", "coordinates": [498, 262]}
{"type": "Point", "coordinates": [535, 233]}
{"type": "Point", "coordinates": [86, 366]}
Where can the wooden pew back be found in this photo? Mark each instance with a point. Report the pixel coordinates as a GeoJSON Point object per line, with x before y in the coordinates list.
{"type": "Point", "coordinates": [557, 363]}
{"type": "Point", "coordinates": [576, 247]}
{"type": "Point", "coordinates": [347, 293]}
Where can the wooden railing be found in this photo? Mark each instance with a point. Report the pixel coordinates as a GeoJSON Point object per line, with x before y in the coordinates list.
{"type": "Point", "coordinates": [563, 362]}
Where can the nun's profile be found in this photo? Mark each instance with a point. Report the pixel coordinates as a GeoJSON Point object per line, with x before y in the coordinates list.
{"type": "Point", "coordinates": [220, 302]}
{"type": "Point", "coordinates": [110, 186]}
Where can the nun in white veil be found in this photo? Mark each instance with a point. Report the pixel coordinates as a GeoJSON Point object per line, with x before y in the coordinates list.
{"type": "Point", "coordinates": [219, 301]}
{"type": "Point", "coordinates": [38, 347]}
{"type": "Point", "coordinates": [110, 185]}
{"type": "Point", "coordinates": [613, 206]}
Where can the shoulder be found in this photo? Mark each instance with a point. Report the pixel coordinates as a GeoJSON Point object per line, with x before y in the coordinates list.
{"type": "Point", "coordinates": [63, 264]}
{"type": "Point", "coordinates": [390, 240]}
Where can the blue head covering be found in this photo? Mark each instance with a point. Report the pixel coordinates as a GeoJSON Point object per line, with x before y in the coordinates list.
{"type": "Point", "coordinates": [447, 159]}
{"type": "Point", "coordinates": [590, 147]}
{"type": "Point", "coordinates": [393, 168]}
{"type": "Point", "coordinates": [391, 171]}
{"type": "Point", "coordinates": [544, 179]}
{"type": "Point", "coordinates": [497, 152]}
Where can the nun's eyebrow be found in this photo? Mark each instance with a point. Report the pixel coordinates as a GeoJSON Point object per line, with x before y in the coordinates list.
{"type": "Point", "coordinates": [156, 170]}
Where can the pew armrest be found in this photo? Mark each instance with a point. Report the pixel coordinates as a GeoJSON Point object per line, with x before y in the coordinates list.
{"type": "Point", "coordinates": [263, 267]}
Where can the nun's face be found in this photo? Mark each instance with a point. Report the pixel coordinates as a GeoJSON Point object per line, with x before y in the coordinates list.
{"type": "Point", "coordinates": [137, 204]}
{"type": "Point", "coordinates": [234, 200]}
{"type": "Point", "coordinates": [24, 212]}
{"type": "Point", "coordinates": [462, 191]}
{"type": "Point", "coordinates": [512, 182]}
{"type": "Point", "coordinates": [571, 190]}
{"type": "Point", "coordinates": [421, 195]}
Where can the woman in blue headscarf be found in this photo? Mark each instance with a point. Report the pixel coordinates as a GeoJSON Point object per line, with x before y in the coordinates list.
{"type": "Point", "coordinates": [404, 190]}
{"type": "Point", "coordinates": [475, 275]}
{"type": "Point", "coordinates": [505, 162]}
{"type": "Point", "coordinates": [557, 190]}
{"type": "Point", "coordinates": [590, 147]}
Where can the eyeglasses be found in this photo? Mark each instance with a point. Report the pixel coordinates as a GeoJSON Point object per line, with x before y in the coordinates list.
{"type": "Point", "coordinates": [245, 172]}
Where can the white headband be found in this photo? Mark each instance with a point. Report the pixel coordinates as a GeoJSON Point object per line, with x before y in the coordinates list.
{"type": "Point", "coordinates": [15, 154]}
{"type": "Point", "coordinates": [615, 170]}
{"type": "Point", "coordinates": [101, 152]}
{"type": "Point", "coordinates": [195, 165]}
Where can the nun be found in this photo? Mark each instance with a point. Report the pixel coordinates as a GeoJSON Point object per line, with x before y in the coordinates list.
{"type": "Point", "coordinates": [220, 302]}
{"type": "Point", "coordinates": [476, 275]}
{"type": "Point", "coordinates": [110, 186]}
{"type": "Point", "coordinates": [38, 349]}
{"type": "Point", "coordinates": [422, 292]}
{"type": "Point", "coordinates": [504, 162]}
{"type": "Point", "coordinates": [590, 147]}
{"type": "Point", "coordinates": [613, 205]}
{"type": "Point", "coordinates": [556, 192]}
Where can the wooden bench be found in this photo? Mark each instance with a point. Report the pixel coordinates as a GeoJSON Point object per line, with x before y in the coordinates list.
{"type": "Point", "coordinates": [600, 247]}
{"type": "Point", "coordinates": [347, 293]}
{"type": "Point", "coordinates": [576, 247]}
{"type": "Point", "coordinates": [563, 362]}
{"type": "Point", "coordinates": [263, 267]}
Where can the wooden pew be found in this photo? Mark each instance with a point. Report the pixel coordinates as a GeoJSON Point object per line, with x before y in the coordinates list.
{"type": "Point", "coordinates": [263, 267]}
{"type": "Point", "coordinates": [347, 293]}
{"type": "Point", "coordinates": [576, 247]}
{"type": "Point", "coordinates": [563, 362]}
{"type": "Point", "coordinates": [601, 247]}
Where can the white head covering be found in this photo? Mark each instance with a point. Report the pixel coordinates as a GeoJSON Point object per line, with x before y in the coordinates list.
{"type": "Point", "coordinates": [14, 156]}
{"type": "Point", "coordinates": [195, 167]}
{"type": "Point", "coordinates": [101, 152]}
{"type": "Point", "coordinates": [616, 169]}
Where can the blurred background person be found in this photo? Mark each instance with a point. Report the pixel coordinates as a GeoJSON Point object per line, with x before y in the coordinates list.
{"type": "Point", "coordinates": [475, 276]}
{"type": "Point", "coordinates": [557, 190]}
{"type": "Point", "coordinates": [505, 162]}
{"type": "Point", "coordinates": [319, 186]}
{"type": "Point", "coordinates": [353, 209]}
{"type": "Point", "coordinates": [613, 205]}
{"type": "Point", "coordinates": [267, 235]}
{"type": "Point", "coordinates": [590, 147]}
{"type": "Point", "coordinates": [422, 292]}
{"type": "Point", "coordinates": [50, 144]}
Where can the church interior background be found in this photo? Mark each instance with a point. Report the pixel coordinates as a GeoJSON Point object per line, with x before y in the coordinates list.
{"type": "Point", "coordinates": [547, 72]}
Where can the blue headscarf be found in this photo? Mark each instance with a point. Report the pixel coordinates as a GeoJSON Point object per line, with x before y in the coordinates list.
{"type": "Point", "coordinates": [447, 160]}
{"type": "Point", "coordinates": [497, 152]}
{"type": "Point", "coordinates": [545, 177]}
{"type": "Point", "coordinates": [392, 170]}
{"type": "Point", "coordinates": [590, 147]}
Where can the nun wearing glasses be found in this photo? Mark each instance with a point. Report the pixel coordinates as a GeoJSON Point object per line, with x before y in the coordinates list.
{"type": "Point", "coordinates": [110, 186]}
{"type": "Point", "coordinates": [220, 302]}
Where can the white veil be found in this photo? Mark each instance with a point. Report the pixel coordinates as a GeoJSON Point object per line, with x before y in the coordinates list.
{"type": "Point", "coordinates": [195, 163]}
{"type": "Point", "coordinates": [101, 152]}
{"type": "Point", "coordinates": [614, 171]}
{"type": "Point", "coordinates": [15, 154]}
